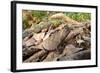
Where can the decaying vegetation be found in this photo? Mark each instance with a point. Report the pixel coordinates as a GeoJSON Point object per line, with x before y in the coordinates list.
{"type": "Point", "coordinates": [55, 36]}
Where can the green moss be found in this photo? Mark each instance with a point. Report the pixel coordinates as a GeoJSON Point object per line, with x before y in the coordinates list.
{"type": "Point", "coordinates": [25, 24]}
{"type": "Point", "coordinates": [44, 15]}
{"type": "Point", "coordinates": [39, 14]}
{"type": "Point", "coordinates": [78, 16]}
{"type": "Point", "coordinates": [56, 22]}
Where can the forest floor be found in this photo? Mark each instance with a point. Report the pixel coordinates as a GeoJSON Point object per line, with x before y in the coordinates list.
{"type": "Point", "coordinates": [59, 39]}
